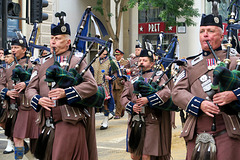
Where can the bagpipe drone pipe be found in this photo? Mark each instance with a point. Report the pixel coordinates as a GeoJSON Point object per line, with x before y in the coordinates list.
{"type": "Point", "coordinates": [168, 53]}
{"type": "Point", "coordinates": [65, 78]}
{"type": "Point", "coordinates": [146, 89]}
{"type": "Point", "coordinates": [225, 80]}
{"type": "Point", "coordinates": [19, 73]}
{"type": "Point", "coordinates": [138, 129]}
{"type": "Point", "coordinates": [23, 74]}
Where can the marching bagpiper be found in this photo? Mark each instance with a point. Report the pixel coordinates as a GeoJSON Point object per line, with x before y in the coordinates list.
{"type": "Point", "coordinates": [72, 128]}
{"type": "Point", "coordinates": [21, 122]}
{"type": "Point", "coordinates": [209, 132]}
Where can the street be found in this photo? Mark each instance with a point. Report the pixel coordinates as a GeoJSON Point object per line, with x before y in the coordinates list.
{"type": "Point", "coordinates": [111, 143]}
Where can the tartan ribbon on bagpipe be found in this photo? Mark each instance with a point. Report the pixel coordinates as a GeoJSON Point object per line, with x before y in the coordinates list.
{"type": "Point", "coordinates": [20, 74]}
{"type": "Point", "coordinates": [96, 100]}
{"type": "Point", "coordinates": [146, 89]}
{"type": "Point", "coordinates": [226, 80]}
{"type": "Point", "coordinates": [62, 77]}
{"type": "Point", "coordinates": [143, 88]}
{"type": "Point", "coordinates": [65, 79]}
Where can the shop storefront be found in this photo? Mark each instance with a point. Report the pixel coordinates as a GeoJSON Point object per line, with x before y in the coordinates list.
{"type": "Point", "coordinates": [151, 31]}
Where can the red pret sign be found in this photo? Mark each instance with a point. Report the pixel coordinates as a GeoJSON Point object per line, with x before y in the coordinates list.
{"type": "Point", "coordinates": [155, 27]}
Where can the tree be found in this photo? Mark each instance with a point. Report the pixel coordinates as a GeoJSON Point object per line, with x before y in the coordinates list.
{"type": "Point", "coordinates": [102, 6]}
{"type": "Point", "coordinates": [172, 10]}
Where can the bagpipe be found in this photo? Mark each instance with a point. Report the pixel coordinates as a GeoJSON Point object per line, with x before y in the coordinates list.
{"type": "Point", "coordinates": [33, 39]}
{"type": "Point", "coordinates": [150, 87]}
{"type": "Point", "coordinates": [138, 129]}
{"type": "Point", "coordinates": [169, 54]}
{"type": "Point", "coordinates": [144, 89]}
{"type": "Point", "coordinates": [225, 80]}
{"type": "Point", "coordinates": [19, 74]}
{"type": "Point", "coordinates": [233, 26]}
{"type": "Point", "coordinates": [65, 78]}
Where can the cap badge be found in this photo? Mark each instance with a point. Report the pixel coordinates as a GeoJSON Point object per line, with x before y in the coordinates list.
{"type": "Point", "coordinates": [21, 41]}
{"type": "Point", "coordinates": [149, 53]}
{"type": "Point", "coordinates": [63, 29]}
{"type": "Point", "coordinates": [216, 19]}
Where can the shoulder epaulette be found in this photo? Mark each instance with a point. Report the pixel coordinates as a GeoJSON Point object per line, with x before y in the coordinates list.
{"type": "Point", "coordinates": [191, 57]}
{"type": "Point", "coordinates": [45, 58]}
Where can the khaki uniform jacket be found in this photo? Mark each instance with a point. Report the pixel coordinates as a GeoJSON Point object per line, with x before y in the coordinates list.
{"type": "Point", "coordinates": [188, 94]}
{"type": "Point", "coordinates": [38, 88]}
{"type": "Point", "coordinates": [7, 83]}
{"type": "Point", "coordinates": [25, 125]}
{"type": "Point", "coordinates": [158, 124]}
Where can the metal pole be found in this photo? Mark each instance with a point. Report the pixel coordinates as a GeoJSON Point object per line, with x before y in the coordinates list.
{"type": "Point", "coordinates": [4, 24]}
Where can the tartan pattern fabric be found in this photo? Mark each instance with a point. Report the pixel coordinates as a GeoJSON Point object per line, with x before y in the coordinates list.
{"type": "Point", "coordinates": [226, 80]}
{"type": "Point", "coordinates": [145, 89]}
{"type": "Point", "coordinates": [65, 79]}
{"type": "Point", "coordinates": [168, 106]}
{"type": "Point", "coordinates": [19, 74]}
{"type": "Point", "coordinates": [62, 77]}
{"type": "Point", "coordinates": [96, 100]}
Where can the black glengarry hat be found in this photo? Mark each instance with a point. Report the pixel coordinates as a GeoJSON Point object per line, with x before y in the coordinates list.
{"type": "Point", "coordinates": [19, 42]}
{"type": "Point", "coordinates": [146, 53]}
{"type": "Point", "coordinates": [211, 20]}
{"type": "Point", "coordinates": [61, 28]}
{"type": "Point", "coordinates": [7, 52]}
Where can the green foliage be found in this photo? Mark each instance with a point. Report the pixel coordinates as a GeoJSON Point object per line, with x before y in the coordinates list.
{"type": "Point", "coordinates": [124, 8]}
{"type": "Point", "coordinates": [110, 14]}
{"type": "Point", "coordinates": [171, 10]}
{"type": "Point", "coordinates": [98, 7]}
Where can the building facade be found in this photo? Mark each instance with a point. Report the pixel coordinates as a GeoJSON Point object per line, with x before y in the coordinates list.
{"type": "Point", "coordinates": [135, 25]}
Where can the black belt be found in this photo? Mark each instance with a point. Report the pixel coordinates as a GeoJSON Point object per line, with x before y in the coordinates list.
{"type": "Point", "coordinates": [220, 133]}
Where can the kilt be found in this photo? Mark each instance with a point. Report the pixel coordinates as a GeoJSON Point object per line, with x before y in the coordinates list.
{"type": "Point", "coordinates": [26, 125]}
{"type": "Point", "coordinates": [70, 141]}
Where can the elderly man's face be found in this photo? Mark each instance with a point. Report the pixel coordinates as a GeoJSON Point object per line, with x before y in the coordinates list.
{"type": "Point", "coordinates": [60, 43]}
{"type": "Point", "coordinates": [213, 34]}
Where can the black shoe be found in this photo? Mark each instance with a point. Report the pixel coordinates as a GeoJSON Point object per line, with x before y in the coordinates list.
{"type": "Point", "coordinates": [103, 128]}
{"type": "Point", "coordinates": [26, 148]}
{"type": "Point", "coordinates": [8, 152]}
